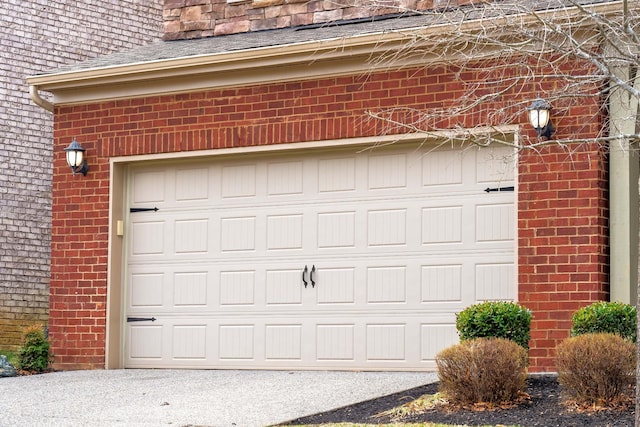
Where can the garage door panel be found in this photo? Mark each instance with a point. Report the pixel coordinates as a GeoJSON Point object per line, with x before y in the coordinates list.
{"type": "Point", "coordinates": [283, 342]}
{"type": "Point", "coordinates": [284, 232]}
{"type": "Point", "coordinates": [336, 175]}
{"type": "Point", "coordinates": [335, 342]}
{"type": "Point", "coordinates": [237, 288]}
{"type": "Point", "coordinates": [442, 224]}
{"type": "Point", "coordinates": [336, 285]}
{"type": "Point", "coordinates": [495, 165]}
{"type": "Point", "coordinates": [145, 343]}
{"type": "Point", "coordinates": [495, 281]}
{"type": "Point", "coordinates": [387, 171]}
{"type": "Point", "coordinates": [336, 230]}
{"type": "Point", "coordinates": [238, 234]}
{"type": "Point", "coordinates": [237, 342]}
{"type": "Point", "coordinates": [189, 342]}
{"type": "Point", "coordinates": [148, 238]}
{"type": "Point", "coordinates": [342, 231]}
{"type": "Point", "coordinates": [191, 289]}
{"type": "Point", "coordinates": [305, 342]}
{"type": "Point", "coordinates": [160, 289]}
{"type": "Point", "coordinates": [285, 178]}
{"type": "Point", "coordinates": [495, 222]}
{"type": "Point", "coordinates": [170, 341]}
{"type": "Point", "coordinates": [395, 241]}
{"type": "Point", "coordinates": [475, 167]}
{"type": "Point", "coordinates": [148, 186]}
{"type": "Point", "coordinates": [441, 168]}
{"type": "Point", "coordinates": [238, 181]}
{"type": "Point", "coordinates": [191, 236]}
{"type": "Point", "coordinates": [146, 290]}
{"type": "Point", "coordinates": [442, 283]}
{"type": "Point", "coordinates": [468, 224]}
{"type": "Point", "coordinates": [386, 342]}
{"type": "Point", "coordinates": [284, 287]}
{"type": "Point", "coordinates": [441, 278]}
{"type": "Point", "coordinates": [192, 185]}
{"type": "Point", "coordinates": [386, 227]}
{"type": "Point", "coordinates": [387, 284]}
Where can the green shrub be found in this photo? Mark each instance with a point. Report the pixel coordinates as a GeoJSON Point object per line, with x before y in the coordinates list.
{"type": "Point", "coordinates": [597, 368]}
{"type": "Point", "coordinates": [498, 319]}
{"type": "Point", "coordinates": [612, 317]}
{"type": "Point", "coordinates": [34, 355]}
{"type": "Point", "coordinates": [483, 370]}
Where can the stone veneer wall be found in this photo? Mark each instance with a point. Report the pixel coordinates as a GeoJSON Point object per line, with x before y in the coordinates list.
{"type": "Point", "coordinates": [188, 19]}
{"type": "Point", "coordinates": [38, 35]}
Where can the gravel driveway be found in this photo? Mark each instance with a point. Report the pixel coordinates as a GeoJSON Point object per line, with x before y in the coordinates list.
{"type": "Point", "coordinates": [188, 398]}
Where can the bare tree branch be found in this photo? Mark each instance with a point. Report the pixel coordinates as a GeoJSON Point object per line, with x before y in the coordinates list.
{"type": "Point", "coordinates": [564, 50]}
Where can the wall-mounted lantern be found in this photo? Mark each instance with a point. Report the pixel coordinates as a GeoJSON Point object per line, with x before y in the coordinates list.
{"type": "Point", "coordinates": [75, 158]}
{"type": "Point", "coordinates": [540, 118]}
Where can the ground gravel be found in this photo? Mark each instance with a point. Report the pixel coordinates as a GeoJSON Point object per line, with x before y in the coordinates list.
{"type": "Point", "coordinates": [544, 409]}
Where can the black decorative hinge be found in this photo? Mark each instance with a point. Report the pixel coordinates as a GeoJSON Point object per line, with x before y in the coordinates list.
{"type": "Point", "coordinates": [143, 210]}
{"type": "Point", "coordinates": [141, 319]}
{"type": "Point", "coordinates": [491, 190]}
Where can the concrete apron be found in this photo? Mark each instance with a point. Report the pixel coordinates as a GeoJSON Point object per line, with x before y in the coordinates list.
{"type": "Point", "coordinates": [189, 398]}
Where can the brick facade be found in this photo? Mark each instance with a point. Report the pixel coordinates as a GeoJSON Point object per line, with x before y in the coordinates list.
{"type": "Point", "coordinates": [561, 200]}
{"type": "Point", "coordinates": [562, 242]}
{"type": "Point", "coordinates": [38, 35]}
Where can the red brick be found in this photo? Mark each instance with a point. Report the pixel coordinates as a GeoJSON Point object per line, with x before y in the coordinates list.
{"type": "Point", "coordinates": [562, 223]}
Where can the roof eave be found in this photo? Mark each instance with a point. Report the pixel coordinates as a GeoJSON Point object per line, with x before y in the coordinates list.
{"type": "Point", "coordinates": [334, 56]}
{"type": "Point", "coordinates": [256, 57]}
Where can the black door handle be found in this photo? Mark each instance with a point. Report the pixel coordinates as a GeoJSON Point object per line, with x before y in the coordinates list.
{"type": "Point", "coordinates": [303, 273]}
{"type": "Point", "coordinates": [313, 269]}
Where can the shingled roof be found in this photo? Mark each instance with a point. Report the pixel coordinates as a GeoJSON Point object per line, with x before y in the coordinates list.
{"type": "Point", "coordinates": [252, 40]}
{"type": "Point", "coordinates": [167, 50]}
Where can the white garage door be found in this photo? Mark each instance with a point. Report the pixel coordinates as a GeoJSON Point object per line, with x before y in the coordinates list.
{"type": "Point", "coordinates": [314, 260]}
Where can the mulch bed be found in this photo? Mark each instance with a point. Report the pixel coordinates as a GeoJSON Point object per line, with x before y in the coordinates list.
{"type": "Point", "coordinates": [544, 409]}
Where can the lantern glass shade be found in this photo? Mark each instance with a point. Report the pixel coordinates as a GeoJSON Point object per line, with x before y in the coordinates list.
{"type": "Point", "coordinates": [75, 158]}
{"type": "Point", "coordinates": [539, 117]}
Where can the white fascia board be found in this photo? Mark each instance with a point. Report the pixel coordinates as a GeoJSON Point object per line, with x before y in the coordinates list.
{"type": "Point", "coordinates": [216, 62]}
{"type": "Point", "coordinates": [296, 61]}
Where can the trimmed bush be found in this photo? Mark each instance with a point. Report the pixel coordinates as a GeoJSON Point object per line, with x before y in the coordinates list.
{"type": "Point", "coordinates": [484, 370]}
{"type": "Point", "coordinates": [34, 355]}
{"type": "Point", "coordinates": [606, 317]}
{"type": "Point", "coordinates": [500, 319]}
{"type": "Point", "coordinates": [597, 369]}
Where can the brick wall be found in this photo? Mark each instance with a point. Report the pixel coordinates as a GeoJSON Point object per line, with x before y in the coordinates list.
{"type": "Point", "coordinates": [39, 35]}
{"type": "Point", "coordinates": [185, 19]}
{"type": "Point", "coordinates": [561, 208]}
{"type": "Point", "coordinates": [563, 245]}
